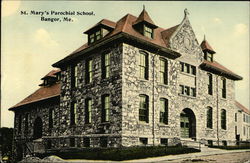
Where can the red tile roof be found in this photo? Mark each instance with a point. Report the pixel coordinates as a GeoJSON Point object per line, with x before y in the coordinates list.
{"type": "Point", "coordinates": [215, 66]}
{"type": "Point", "coordinates": [243, 108]}
{"type": "Point", "coordinates": [52, 73]}
{"type": "Point", "coordinates": [41, 94]}
{"type": "Point", "coordinates": [144, 17]}
{"type": "Point", "coordinates": [205, 46]}
{"type": "Point", "coordinates": [125, 25]}
{"type": "Point", "coordinates": [104, 22]}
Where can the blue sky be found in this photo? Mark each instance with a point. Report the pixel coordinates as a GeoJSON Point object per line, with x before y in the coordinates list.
{"type": "Point", "coordinates": [31, 46]}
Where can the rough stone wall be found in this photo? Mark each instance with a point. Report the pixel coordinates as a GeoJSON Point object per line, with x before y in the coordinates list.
{"type": "Point", "coordinates": [185, 42]}
{"type": "Point", "coordinates": [93, 90]}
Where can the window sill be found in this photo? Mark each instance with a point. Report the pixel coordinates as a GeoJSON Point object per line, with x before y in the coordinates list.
{"type": "Point", "coordinates": [143, 80]}
{"type": "Point", "coordinates": [187, 96]}
{"type": "Point", "coordinates": [163, 85]}
{"type": "Point", "coordinates": [163, 125]}
{"type": "Point", "coordinates": [143, 123]}
{"type": "Point", "coordinates": [188, 74]}
{"type": "Point", "coordinates": [209, 129]}
{"type": "Point", "coordinates": [105, 123]}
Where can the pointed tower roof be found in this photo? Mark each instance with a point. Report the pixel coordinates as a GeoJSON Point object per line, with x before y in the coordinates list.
{"type": "Point", "coordinates": [206, 47]}
{"type": "Point", "coordinates": [144, 17]}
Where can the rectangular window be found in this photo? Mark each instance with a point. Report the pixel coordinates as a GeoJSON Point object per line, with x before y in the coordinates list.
{"type": "Point", "coordinates": [148, 32]}
{"type": "Point", "coordinates": [193, 70]}
{"type": "Point", "coordinates": [193, 92]}
{"type": "Point", "coordinates": [106, 66]}
{"type": "Point", "coordinates": [19, 124]}
{"type": "Point", "coordinates": [26, 126]}
{"type": "Point", "coordinates": [210, 142]}
{"type": "Point", "coordinates": [74, 76]}
{"type": "Point", "coordinates": [143, 110]}
{"type": "Point", "coordinates": [235, 117]}
{"type": "Point", "coordinates": [164, 110]}
{"type": "Point", "coordinates": [51, 118]}
{"type": "Point", "coordinates": [143, 141]}
{"type": "Point", "coordinates": [209, 117]}
{"type": "Point", "coordinates": [104, 142]}
{"type": "Point", "coordinates": [105, 108]}
{"type": "Point", "coordinates": [73, 113]}
{"type": "Point", "coordinates": [187, 68]}
{"type": "Point", "coordinates": [86, 142]}
{"type": "Point", "coordinates": [163, 71]}
{"type": "Point", "coordinates": [187, 90]}
{"type": "Point", "coordinates": [224, 91]}
{"type": "Point", "coordinates": [210, 84]}
{"type": "Point", "coordinates": [92, 38]}
{"type": "Point", "coordinates": [72, 142]}
{"type": "Point", "coordinates": [209, 57]}
{"type": "Point", "coordinates": [88, 111]}
{"type": "Point", "coordinates": [89, 71]}
{"type": "Point", "coordinates": [143, 65]}
{"type": "Point", "coordinates": [223, 119]}
{"type": "Point", "coordinates": [97, 35]}
{"type": "Point", "coordinates": [164, 141]}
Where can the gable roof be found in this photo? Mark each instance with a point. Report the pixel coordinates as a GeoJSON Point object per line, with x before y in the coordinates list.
{"type": "Point", "coordinates": [243, 108]}
{"type": "Point", "coordinates": [125, 26]}
{"type": "Point", "coordinates": [217, 68]}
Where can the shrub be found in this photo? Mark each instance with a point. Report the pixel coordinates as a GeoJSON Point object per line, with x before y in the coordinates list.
{"type": "Point", "coordinates": [124, 153]}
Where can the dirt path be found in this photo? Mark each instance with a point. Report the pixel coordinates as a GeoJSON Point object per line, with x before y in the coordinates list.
{"type": "Point", "coordinates": [241, 157]}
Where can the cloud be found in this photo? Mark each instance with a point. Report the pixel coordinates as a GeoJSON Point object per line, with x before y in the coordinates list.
{"type": "Point", "coordinates": [240, 29]}
{"type": "Point", "coordinates": [43, 37]}
{"type": "Point", "coordinates": [9, 7]}
{"type": "Point", "coordinates": [217, 20]}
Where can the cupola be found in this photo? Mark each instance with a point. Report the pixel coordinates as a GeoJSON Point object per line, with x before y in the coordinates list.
{"type": "Point", "coordinates": [144, 24]}
{"type": "Point", "coordinates": [207, 50]}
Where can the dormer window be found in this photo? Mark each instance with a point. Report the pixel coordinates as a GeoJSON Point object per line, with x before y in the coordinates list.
{"type": "Point", "coordinates": [148, 32]}
{"type": "Point", "coordinates": [97, 35]}
{"type": "Point", "coordinates": [208, 56]}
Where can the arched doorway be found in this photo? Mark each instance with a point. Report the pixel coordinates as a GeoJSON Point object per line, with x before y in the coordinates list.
{"type": "Point", "coordinates": [187, 124]}
{"type": "Point", "coordinates": [38, 128]}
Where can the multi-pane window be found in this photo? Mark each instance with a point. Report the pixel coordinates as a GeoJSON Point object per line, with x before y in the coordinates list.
{"type": "Point", "coordinates": [89, 71]}
{"type": "Point", "coordinates": [73, 113]}
{"type": "Point", "coordinates": [210, 84]}
{"type": "Point", "coordinates": [223, 119]}
{"type": "Point", "coordinates": [164, 141]}
{"type": "Point", "coordinates": [88, 110]}
{"type": "Point", "coordinates": [164, 110]}
{"type": "Point", "coordinates": [26, 126]}
{"type": "Point", "coordinates": [163, 71]}
{"type": "Point", "coordinates": [143, 65]}
{"type": "Point", "coordinates": [208, 57]}
{"type": "Point", "coordinates": [148, 32]}
{"type": "Point", "coordinates": [187, 68]}
{"type": "Point", "coordinates": [209, 117]}
{"type": "Point", "coordinates": [74, 76]}
{"type": "Point", "coordinates": [143, 110]}
{"type": "Point", "coordinates": [224, 88]}
{"type": "Point", "coordinates": [95, 36]}
{"type": "Point", "coordinates": [51, 118]}
{"type": "Point", "coordinates": [105, 108]}
{"type": "Point", "coordinates": [187, 91]}
{"type": "Point", "coordinates": [106, 66]}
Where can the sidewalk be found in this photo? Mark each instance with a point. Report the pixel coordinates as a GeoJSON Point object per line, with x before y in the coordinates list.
{"type": "Point", "coordinates": [205, 151]}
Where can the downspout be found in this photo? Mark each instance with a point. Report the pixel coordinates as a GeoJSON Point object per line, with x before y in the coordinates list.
{"type": "Point", "coordinates": [153, 97]}
{"type": "Point", "coordinates": [217, 107]}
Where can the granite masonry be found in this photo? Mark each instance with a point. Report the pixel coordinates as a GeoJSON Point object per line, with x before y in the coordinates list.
{"type": "Point", "coordinates": [133, 83]}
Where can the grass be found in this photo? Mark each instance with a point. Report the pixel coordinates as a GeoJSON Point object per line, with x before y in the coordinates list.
{"type": "Point", "coordinates": [119, 154]}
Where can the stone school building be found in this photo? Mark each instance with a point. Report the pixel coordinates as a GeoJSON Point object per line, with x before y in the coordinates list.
{"type": "Point", "coordinates": [132, 83]}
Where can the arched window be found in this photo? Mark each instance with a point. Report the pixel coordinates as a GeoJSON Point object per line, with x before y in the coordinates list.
{"type": "Point", "coordinates": [209, 117]}
{"type": "Point", "coordinates": [143, 108]}
{"type": "Point", "coordinates": [163, 110]}
{"type": "Point", "coordinates": [223, 119]}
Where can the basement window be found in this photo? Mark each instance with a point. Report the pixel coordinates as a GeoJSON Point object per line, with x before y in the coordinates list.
{"type": "Point", "coordinates": [143, 141]}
